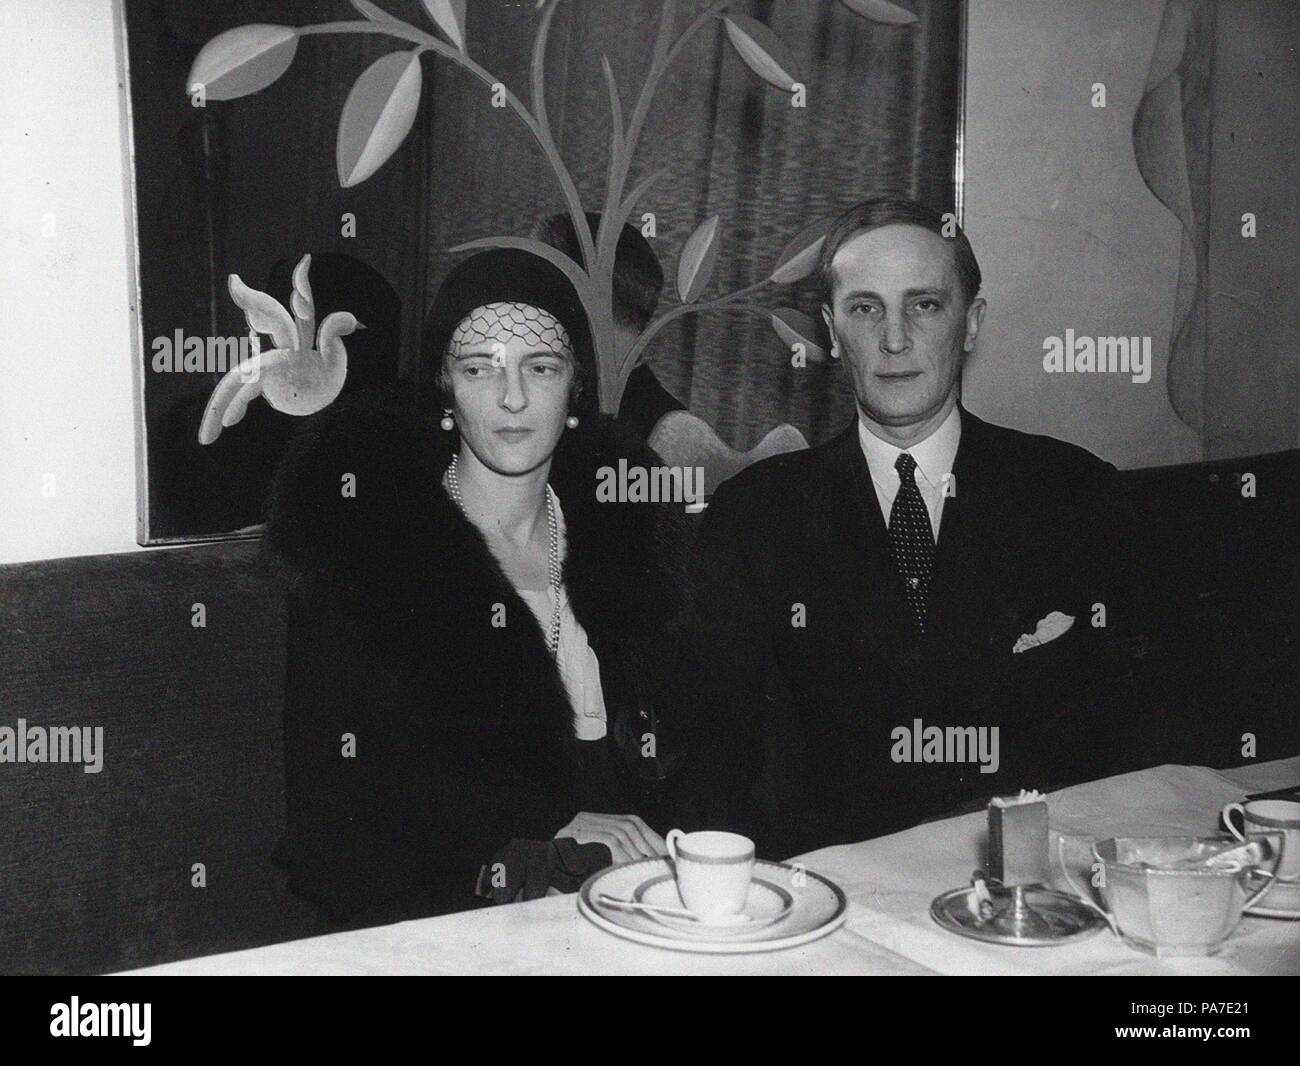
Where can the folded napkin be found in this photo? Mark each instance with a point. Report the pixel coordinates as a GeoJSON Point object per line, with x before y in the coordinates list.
{"type": "Point", "coordinates": [1047, 630]}
{"type": "Point", "coordinates": [527, 869]}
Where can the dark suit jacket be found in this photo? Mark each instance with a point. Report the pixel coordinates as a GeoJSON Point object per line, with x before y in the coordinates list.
{"type": "Point", "coordinates": [463, 731]}
{"type": "Point", "coordinates": [801, 718]}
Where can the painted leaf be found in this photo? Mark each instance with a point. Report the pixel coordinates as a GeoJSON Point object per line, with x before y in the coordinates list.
{"type": "Point", "coordinates": [798, 258]}
{"type": "Point", "coordinates": [448, 16]}
{"type": "Point", "coordinates": [264, 313]}
{"type": "Point", "coordinates": [762, 50]}
{"type": "Point", "coordinates": [615, 107]}
{"type": "Point", "coordinates": [377, 115]}
{"type": "Point", "coordinates": [244, 60]}
{"type": "Point", "coordinates": [695, 267]}
{"type": "Point", "coordinates": [881, 11]}
{"type": "Point", "coordinates": [304, 306]}
{"type": "Point", "coordinates": [794, 327]}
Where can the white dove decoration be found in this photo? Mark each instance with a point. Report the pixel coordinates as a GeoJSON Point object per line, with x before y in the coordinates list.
{"type": "Point", "coordinates": [293, 377]}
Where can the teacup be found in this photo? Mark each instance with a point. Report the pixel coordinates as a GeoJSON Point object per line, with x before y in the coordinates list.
{"type": "Point", "coordinates": [713, 871]}
{"type": "Point", "coordinates": [1270, 816]}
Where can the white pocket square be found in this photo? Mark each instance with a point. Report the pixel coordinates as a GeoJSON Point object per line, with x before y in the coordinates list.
{"type": "Point", "coordinates": [1048, 629]}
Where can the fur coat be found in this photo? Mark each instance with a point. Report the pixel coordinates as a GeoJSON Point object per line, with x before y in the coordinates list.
{"type": "Point", "coordinates": [422, 734]}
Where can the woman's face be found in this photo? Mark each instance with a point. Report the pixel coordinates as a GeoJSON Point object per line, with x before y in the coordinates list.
{"type": "Point", "coordinates": [509, 370]}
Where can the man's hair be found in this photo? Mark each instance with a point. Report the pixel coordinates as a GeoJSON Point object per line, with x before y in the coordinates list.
{"type": "Point", "coordinates": [891, 211]}
{"type": "Point", "coordinates": [638, 276]}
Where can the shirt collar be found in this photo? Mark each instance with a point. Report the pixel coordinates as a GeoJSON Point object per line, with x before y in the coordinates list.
{"type": "Point", "coordinates": [934, 456]}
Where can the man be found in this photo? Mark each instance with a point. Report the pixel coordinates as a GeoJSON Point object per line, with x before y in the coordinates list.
{"type": "Point", "coordinates": [638, 283]}
{"type": "Point", "coordinates": [906, 618]}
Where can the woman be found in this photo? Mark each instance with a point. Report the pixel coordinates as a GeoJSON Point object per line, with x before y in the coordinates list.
{"type": "Point", "coordinates": [479, 652]}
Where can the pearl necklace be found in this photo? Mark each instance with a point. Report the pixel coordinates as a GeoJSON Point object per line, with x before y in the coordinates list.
{"type": "Point", "coordinates": [553, 550]}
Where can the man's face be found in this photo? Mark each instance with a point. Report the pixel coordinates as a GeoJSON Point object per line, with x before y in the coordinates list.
{"type": "Point", "coordinates": [900, 322]}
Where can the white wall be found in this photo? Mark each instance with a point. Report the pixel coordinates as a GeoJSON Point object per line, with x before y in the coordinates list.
{"type": "Point", "coordinates": [1068, 235]}
{"type": "Point", "coordinates": [66, 344]}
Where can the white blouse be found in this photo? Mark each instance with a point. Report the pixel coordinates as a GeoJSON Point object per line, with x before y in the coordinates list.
{"type": "Point", "coordinates": [579, 667]}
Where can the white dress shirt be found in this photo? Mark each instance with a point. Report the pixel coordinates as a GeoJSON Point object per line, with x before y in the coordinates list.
{"type": "Point", "coordinates": [934, 458]}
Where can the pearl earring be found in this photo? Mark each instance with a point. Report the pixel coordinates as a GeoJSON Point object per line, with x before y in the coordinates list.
{"type": "Point", "coordinates": [571, 421]}
{"type": "Point", "coordinates": [447, 422]}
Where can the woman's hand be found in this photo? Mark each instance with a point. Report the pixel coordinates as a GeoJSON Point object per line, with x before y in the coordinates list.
{"type": "Point", "coordinates": [626, 835]}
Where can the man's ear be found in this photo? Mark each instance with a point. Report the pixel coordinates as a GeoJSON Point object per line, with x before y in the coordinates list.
{"type": "Point", "coordinates": [974, 319]}
{"type": "Point", "coordinates": [829, 319]}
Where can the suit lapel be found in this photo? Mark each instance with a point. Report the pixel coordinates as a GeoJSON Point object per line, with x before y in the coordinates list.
{"type": "Point", "coordinates": [851, 481]}
{"type": "Point", "coordinates": [966, 600]}
{"type": "Point", "coordinates": [965, 510]}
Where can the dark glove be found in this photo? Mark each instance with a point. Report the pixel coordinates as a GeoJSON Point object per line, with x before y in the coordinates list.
{"type": "Point", "coordinates": [526, 869]}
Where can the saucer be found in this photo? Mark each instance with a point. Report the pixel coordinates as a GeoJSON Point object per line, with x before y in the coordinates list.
{"type": "Point", "coordinates": [766, 904]}
{"type": "Point", "coordinates": [816, 907]}
{"type": "Point", "coordinates": [1280, 901]}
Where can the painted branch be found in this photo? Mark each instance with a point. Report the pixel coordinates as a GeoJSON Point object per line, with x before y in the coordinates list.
{"type": "Point", "coordinates": [722, 303]}
{"type": "Point", "coordinates": [580, 279]}
{"type": "Point", "coordinates": [617, 209]}
{"type": "Point", "coordinates": [405, 31]}
{"type": "Point", "coordinates": [616, 123]}
{"type": "Point", "coordinates": [659, 64]}
{"type": "Point", "coordinates": [538, 78]}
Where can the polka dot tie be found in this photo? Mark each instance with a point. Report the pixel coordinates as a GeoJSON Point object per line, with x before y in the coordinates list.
{"type": "Point", "coordinates": [911, 540]}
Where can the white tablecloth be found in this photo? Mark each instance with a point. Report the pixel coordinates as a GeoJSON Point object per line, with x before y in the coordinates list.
{"type": "Point", "coordinates": [889, 881]}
